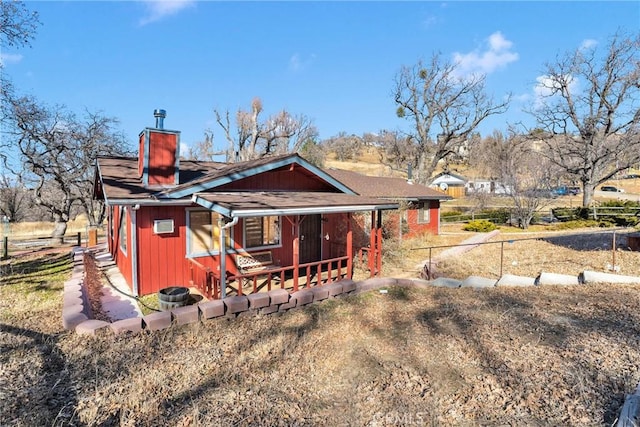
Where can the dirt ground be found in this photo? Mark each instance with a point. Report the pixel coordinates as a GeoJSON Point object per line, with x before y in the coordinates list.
{"type": "Point", "coordinates": [543, 356]}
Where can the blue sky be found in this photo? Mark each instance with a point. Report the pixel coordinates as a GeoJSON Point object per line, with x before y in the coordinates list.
{"type": "Point", "coordinates": [332, 61]}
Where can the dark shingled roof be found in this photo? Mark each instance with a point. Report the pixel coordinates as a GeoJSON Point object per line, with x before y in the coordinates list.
{"type": "Point", "coordinates": [246, 203]}
{"type": "Point", "coordinates": [121, 181]}
{"type": "Point", "coordinates": [385, 187]}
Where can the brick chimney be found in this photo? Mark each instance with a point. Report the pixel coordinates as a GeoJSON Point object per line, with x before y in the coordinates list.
{"type": "Point", "coordinates": [158, 155]}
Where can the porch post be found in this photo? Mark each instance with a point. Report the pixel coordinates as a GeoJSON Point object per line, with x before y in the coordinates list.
{"type": "Point", "coordinates": [372, 245]}
{"type": "Point", "coordinates": [223, 259]}
{"type": "Point", "coordinates": [379, 246]}
{"type": "Point", "coordinates": [296, 251]}
{"type": "Point", "coordinates": [349, 247]}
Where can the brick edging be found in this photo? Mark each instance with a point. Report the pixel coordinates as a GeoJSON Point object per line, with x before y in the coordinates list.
{"type": "Point", "coordinates": [76, 311]}
{"type": "Point", "coordinates": [75, 300]}
{"type": "Point", "coordinates": [275, 301]}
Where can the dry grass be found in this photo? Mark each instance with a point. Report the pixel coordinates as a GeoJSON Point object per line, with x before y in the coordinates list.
{"type": "Point", "coordinates": [529, 356]}
{"type": "Point", "coordinates": [523, 253]}
{"type": "Point", "coordinates": [38, 229]}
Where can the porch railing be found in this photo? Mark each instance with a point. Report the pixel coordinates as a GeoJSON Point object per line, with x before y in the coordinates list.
{"type": "Point", "coordinates": [203, 279]}
{"type": "Point", "coordinates": [308, 275]}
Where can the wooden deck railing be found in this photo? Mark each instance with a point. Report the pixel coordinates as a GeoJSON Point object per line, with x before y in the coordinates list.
{"type": "Point", "coordinates": [313, 273]}
{"type": "Point", "coordinates": [203, 279]}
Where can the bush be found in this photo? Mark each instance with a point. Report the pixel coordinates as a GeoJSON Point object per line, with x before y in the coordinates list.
{"type": "Point", "coordinates": [579, 223]}
{"type": "Point", "coordinates": [480, 225]}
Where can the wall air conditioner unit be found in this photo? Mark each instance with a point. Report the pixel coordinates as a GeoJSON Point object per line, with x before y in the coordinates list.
{"type": "Point", "coordinates": [162, 226]}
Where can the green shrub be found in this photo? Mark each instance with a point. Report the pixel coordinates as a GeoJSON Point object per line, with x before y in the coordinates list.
{"type": "Point", "coordinates": [480, 225]}
{"type": "Point", "coordinates": [579, 223]}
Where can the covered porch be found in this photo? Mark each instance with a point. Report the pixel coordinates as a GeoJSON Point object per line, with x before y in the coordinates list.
{"type": "Point", "coordinates": [307, 267]}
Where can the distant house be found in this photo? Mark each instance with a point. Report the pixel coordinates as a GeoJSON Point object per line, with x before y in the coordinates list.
{"type": "Point", "coordinates": [211, 225]}
{"type": "Point", "coordinates": [422, 213]}
{"type": "Point", "coordinates": [450, 183]}
{"type": "Point", "coordinates": [487, 186]}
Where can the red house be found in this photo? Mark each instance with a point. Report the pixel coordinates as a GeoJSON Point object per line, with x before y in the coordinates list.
{"type": "Point", "coordinates": [228, 228]}
{"type": "Point", "coordinates": [421, 210]}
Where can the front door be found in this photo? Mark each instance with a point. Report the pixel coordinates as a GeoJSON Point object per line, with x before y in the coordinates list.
{"type": "Point", "coordinates": [310, 238]}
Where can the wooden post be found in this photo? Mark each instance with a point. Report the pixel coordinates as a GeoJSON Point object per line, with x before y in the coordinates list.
{"type": "Point", "coordinates": [5, 248]}
{"type": "Point", "coordinates": [379, 258]}
{"type": "Point", "coordinates": [296, 252]}
{"type": "Point", "coordinates": [349, 248]}
{"type": "Point", "coordinates": [372, 245]}
{"type": "Point", "coordinates": [501, 256]}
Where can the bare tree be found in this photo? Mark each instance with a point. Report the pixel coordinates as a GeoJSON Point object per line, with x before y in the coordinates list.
{"type": "Point", "coordinates": [18, 25]}
{"type": "Point", "coordinates": [57, 153]}
{"type": "Point", "coordinates": [14, 198]}
{"type": "Point", "coordinates": [278, 134]}
{"type": "Point", "coordinates": [527, 180]}
{"type": "Point", "coordinates": [204, 149]}
{"type": "Point", "coordinates": [397, 150]}
{"type": "Point", "coordinates": [345, 146]}
{"type": "Point", "coordinates": [589, 114]}
{"type": "Point", "coordinates": [444, 110]}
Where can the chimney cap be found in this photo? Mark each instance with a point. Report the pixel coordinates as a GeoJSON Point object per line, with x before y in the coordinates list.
{"type": "Point", "coordinates": [159, 114]}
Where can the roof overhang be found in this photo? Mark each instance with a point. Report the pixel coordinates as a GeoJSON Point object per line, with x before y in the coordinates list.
{"type": "Point", "coordinates": [249, 204]}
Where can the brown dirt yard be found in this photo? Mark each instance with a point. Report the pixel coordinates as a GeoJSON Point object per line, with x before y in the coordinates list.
{"type": "Point", "coordinates": [539, 356]}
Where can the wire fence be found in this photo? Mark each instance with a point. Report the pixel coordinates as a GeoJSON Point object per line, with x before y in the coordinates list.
{"type": "Point", "coordinates": [610, 250]}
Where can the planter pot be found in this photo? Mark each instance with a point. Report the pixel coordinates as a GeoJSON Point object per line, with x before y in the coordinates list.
{"type": "Point", "coordinates": [172, 297]}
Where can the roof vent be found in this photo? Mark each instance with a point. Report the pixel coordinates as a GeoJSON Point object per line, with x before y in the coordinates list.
{"type": "Point", "coordinates": [159, 115]}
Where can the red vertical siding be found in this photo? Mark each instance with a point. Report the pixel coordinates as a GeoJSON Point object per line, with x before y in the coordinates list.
{"type": "Point", "coordinates": [162, 158]}
{"type": "Point", "coordinates": [433, 226]}
{"type": "Point", "coordinates": [122, 259]}
{"type": "Point", "coordinates": [280, 179]}
{"type": "Point", "coordinates": [161, 257]}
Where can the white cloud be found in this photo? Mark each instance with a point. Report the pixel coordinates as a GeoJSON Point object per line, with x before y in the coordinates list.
{"type": "Point", "coordinates": [159, 9]}
{"type": "Point", "coordinates": [298, 63]}
{"type": "Point", "coordinates": [10, 58]}
{"type": "Point", "coordinates": [588, 44]}
{"type": "Point", "coordinates": [184, 149]}
{"type": "Point", "coordinates": [497, 54]}
{"type": "Point", "coordinates": [546, 86]}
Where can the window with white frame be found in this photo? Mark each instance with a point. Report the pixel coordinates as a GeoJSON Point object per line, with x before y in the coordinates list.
{"type": "Point", "coordinates": [261, 232]}
{"type": "Point", "coordinates": [424, 213]}
{"type": "Point", "coordinates": [203, 233]}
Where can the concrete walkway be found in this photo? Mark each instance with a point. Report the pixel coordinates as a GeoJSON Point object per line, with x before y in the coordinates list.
{"type": "Point", "coordinates": [117, 301]}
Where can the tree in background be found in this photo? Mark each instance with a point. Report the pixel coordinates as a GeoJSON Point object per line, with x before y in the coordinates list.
{"type": "Point", "coordinates": [204, 149]}
{"type": "Point", "coordinates": [18, 28]}
{"type": "Point", "coordinates": [517, 165]}
{"type": "Point", "coordinates": [588, 116]}
{"type": "Point", "coordinates": [18, 25]}
{"type": "Point", "coordinates": [14, 199]}
{"type": "Point", "coordinates": [344, 146]}
{"type": "Point", "coordinates": [277, 134]}
{"type": "Point", "coordinates": [56, 153]}
{"type": "Point", "coordinates": [444, 110]}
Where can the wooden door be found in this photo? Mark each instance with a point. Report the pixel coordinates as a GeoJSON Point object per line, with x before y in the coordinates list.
{"type": "Point", "coordinates": [310, 238]}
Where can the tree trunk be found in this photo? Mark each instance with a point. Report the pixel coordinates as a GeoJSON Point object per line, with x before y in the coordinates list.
{"type": "Point", "coordinates": [587, 194]}
{"type": "Point", "coordinates": [59, 230]}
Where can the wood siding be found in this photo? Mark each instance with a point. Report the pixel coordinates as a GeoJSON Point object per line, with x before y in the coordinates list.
{"type": "Point", "coordinates": [122, 259]}
{"type": "Point", "coordinates": [162, 158]}
{"type": "Point", "coordinates": [416, 228]}
{"type": "Point", "coordinates": [283, 179]}
{"type": "Point", "coordinates": [162, 258]}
